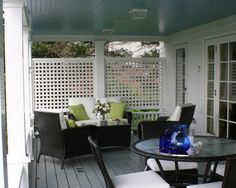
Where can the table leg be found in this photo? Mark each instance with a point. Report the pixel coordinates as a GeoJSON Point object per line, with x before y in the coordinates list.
{"type": "Point", "coordinates": [176, 171]}
{"type": "Point", "coordinates": [161, 168]}
{"type": "Point", "coordinates": [214, 171]}
{"type": "Point", "coordinates": [208, 166]}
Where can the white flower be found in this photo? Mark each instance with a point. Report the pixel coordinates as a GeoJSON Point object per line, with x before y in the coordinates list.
{"type": "Point", "coordinates": [102, 108]}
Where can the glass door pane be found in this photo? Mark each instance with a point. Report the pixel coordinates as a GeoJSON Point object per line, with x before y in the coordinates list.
{"type": "Point", "coordinates": [210, 88]}
{"type": "Point", "coordinates": [221, 87]}
{"type": "Point", "coordinates": [227, 87]}
{"type": "Point", "coordinates": [232, 91]}
{"type": "Point", "coordinates": [180, 76]}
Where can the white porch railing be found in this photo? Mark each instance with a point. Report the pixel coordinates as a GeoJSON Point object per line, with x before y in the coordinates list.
{"type": "Point", "coordinates": [140, 116]}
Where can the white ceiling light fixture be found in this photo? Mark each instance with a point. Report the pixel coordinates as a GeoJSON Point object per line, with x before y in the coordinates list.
{"type": "Point", "coordinates": [138, 14]}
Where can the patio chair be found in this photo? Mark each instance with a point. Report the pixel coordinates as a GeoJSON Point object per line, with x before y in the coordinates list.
{"type": "Point", "coordinates": [61, 143]}
{"type": "Point", "coordinates": [219, 171]}
{"type": "Point", "coordinates": [229, 180]}
{"type": "Point", "coordinates": [152, 129]}
{"type": "Point", "coordinates": [133, 180]}
{"type": "Point", "coordinates": [182, 115]}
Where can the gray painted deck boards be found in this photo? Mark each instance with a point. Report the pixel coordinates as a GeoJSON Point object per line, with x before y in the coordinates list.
{"type": "Point", "coordinates": [83, 172]}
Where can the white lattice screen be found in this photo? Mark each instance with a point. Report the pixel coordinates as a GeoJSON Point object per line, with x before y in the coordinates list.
{"type": "Point", "coordinates": [137, 80]}
{"type": "Point", "coordinates": [57, 80]}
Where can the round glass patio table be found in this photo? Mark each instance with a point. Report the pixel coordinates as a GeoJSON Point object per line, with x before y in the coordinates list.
{"type": "Point", "coordinates": [212, 150]}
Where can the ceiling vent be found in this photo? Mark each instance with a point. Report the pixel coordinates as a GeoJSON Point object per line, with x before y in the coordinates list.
{"type": "Point", "coordinates": [108, 31]}
{"type": "Point", "coordinates": [138, 14]}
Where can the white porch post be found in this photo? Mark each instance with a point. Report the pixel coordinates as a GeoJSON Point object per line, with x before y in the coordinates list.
{"type": "Point", "coordinates": [99, 70]}
{"type": "Point", "coordinates": [3, 165]}
{"type": "Point", "coordinates": [27, 90]}
{"type": "Point", "coordinates": [15, 94]}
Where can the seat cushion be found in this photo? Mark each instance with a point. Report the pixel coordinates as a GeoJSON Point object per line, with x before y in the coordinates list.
{"type": "Point", "coordinates": [147, 179]}
{"type": "Point", "coordinates": [220, 169]}
{"type": "Point", "coordinates": [70, 123]}
{"type": "Point", "coordinates": [87, 122]}
{"type": "Point", "coordinates": [170, 165]}
{"type": "Point", "coordinates": [207, 185]}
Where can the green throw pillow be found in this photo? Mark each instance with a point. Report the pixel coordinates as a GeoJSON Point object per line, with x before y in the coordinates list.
{"type": "Point", "coordinates": [117, 111]}
{"type": "Point", "coordinates": [70, 123]}
{"type": "Point", "coordinates": [78, 112]}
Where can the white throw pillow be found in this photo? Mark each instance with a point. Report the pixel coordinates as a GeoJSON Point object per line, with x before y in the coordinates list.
{"type": "Point", "coordinates": [176, 115]}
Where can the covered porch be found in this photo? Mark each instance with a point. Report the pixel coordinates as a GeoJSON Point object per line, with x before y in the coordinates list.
{"type": "Point", "coordinates": [198, 44]}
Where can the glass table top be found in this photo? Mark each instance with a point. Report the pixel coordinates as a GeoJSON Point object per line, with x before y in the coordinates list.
{"type": "Point", "coordinates": [212, 148]}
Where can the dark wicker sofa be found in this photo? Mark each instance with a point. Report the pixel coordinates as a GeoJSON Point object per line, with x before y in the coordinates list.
{"type": "Point", "coordinates": [72, 142]}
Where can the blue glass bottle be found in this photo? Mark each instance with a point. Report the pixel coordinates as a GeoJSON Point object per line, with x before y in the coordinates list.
{"type": "Point", "coordinates": [180, 142]}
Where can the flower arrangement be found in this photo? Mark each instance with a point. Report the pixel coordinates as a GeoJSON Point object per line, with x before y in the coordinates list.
{"type": "Point", "coordinates": [102, 108]}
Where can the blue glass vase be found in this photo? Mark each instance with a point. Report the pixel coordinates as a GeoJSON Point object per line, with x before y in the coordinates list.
{"type": "Point", "coordinates": [175, 140]}
{"type": "Point", "coordinates": [180, 142]}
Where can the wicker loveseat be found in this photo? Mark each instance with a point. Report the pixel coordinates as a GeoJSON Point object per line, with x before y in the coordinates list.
{"type": "Point", "coordinates": [56, 140]}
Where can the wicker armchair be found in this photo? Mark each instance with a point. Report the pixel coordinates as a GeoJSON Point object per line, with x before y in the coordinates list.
{"type": "Point", "coordinates": [61, 143]}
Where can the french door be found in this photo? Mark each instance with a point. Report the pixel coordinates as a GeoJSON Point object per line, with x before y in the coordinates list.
{"type": "Point", "coordinates": [180, 61]}
{"type": "Point", "coordinates": [221, 87]}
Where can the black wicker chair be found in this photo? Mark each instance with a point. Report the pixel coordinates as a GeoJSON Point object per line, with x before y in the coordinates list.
{"type": "Point", "coordinates": [152, 129]}
{"type": "Point", "coordinates": [229, 180]}
{"type": "Point", "coordinates": [138, 180]}
{"type": "Point", "coordinates": [61, 143]}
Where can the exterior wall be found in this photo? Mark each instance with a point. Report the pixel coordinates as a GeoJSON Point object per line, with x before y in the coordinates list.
{"type": "Point", "coordinates": [194, 39]}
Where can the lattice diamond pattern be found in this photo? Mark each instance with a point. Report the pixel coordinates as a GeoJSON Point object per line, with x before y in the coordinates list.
{"type": "Point", "coordinates": [57, 80]}
{"type": "Point", "coordinates": [137, 80]}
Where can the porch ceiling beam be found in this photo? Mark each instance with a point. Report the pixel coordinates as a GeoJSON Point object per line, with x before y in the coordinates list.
{"type": "Point", "coordinates": [96, 38]}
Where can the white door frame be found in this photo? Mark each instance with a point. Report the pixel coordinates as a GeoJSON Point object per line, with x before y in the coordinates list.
{"type": "Point", "coordinates": [216, 42]}
{"type": "Point", "coordinates": [180, 46]}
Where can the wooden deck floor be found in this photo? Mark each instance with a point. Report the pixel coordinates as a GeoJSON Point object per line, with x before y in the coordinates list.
{"type": "Point", "coordinates": [82, 172]}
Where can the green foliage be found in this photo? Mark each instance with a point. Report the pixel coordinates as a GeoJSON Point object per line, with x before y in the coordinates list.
{"type": "Point", "coordinates": [83, 49]}
{"type": "Point", "coordinates": [62, 49]}
{"type": "Point", "coordinates": [118, 53]}
{"type": "Point", "coordinates": [79, 49]}
{"type": "Point", "coordinates": [151, 53]}
{"type": "Point", "coordinates": [145, 43]}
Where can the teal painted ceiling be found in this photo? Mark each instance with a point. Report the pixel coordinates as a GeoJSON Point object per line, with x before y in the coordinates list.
{"type": "Point", "coordinates": [91, 17]}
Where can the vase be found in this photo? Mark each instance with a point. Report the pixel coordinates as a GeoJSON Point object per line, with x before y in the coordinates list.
{"type": "Point", "coordinates": [103, 120]}
{"type": "Point", "coordinates": [180, 142]}
{"type": "Point", "coordinates": [175, 140]}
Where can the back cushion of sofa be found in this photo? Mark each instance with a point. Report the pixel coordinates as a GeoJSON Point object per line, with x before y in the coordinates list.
{"type": "Point", "coordinates": [88, 102]}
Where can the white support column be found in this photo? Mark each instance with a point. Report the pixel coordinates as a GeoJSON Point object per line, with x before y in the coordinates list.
{"type": "Point", "coordinates": [3, 164]}
{"type": "Point", "coordinates": [99, 70]}
{"type": "Point", "coordinates": [15, 55]}
{"type": "Point", "coordinates": [27, 90]}
{"type": "Point", "coordinates": [15, 81]}
{"type": "Point", "coordinates": [162, 49]}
